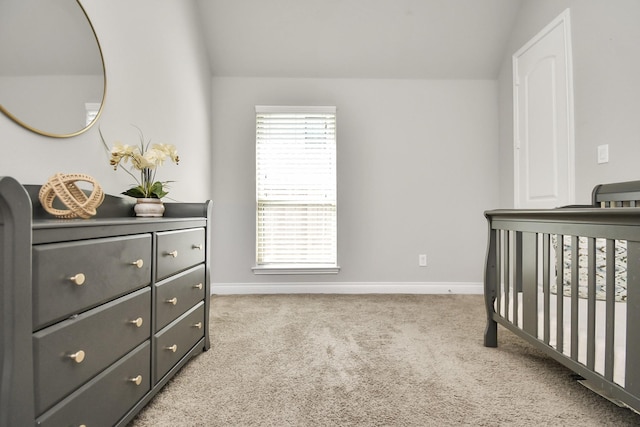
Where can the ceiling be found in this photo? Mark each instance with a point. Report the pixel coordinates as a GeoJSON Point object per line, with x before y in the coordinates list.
{"type": "Point", "coordinates": [430, 39]}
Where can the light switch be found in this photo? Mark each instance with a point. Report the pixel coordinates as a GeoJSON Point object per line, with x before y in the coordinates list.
{"type": "Point", "coordinates": [603, 153]}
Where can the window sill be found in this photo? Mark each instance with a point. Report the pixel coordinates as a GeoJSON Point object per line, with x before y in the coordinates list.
{"type": "Point", "coordinates": [296, 269]}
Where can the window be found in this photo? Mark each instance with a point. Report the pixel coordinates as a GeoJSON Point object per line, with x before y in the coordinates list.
{"type": "Point", "coordinates": [296, 195]}
{"type": "Point", "coordinates": [91, 112]}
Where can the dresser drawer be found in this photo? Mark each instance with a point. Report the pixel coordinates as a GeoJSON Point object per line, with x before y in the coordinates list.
{"type": "Point", "coordinates": [69, 353]}
{"type": "Point", "coordinates": [102, 270]}
{"type": "Point", "coordinates": [179, 250]}
{"type": "Point", "coordinates": [174, 341]}
{"type": "Point", "coordinates": [177, 294]}
{"type": "Point", "coordinates": [103, 400]}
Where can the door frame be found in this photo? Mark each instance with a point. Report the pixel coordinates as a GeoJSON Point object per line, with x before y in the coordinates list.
{"type": "Point", "coordinates": [563, 20]}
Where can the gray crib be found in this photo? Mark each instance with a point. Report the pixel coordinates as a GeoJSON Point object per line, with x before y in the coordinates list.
{"type": "Point", "coordinates": [567, 280]}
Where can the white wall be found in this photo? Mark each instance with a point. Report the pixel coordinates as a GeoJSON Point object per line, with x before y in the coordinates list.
{"type": "Point", "coordinates": [606, 64]}
{"type": "Point", "coordinates": [417, 166]}
{"type": "Point", "coordinates": [158, 78]}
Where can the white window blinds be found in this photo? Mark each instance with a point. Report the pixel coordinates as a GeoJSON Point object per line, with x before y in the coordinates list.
{"type": "Point", "coordinates": [296, 186]}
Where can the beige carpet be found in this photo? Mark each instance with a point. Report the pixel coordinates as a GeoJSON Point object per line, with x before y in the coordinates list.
{"type": "Point", "coordinates": [370, 360]}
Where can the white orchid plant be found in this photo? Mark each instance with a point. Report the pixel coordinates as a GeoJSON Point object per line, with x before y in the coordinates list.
{"type": "Point", "coordinates": [145, 158]}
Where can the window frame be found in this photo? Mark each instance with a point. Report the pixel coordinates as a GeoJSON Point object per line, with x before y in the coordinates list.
{"type": "Point", "coordinates": [295, 268]}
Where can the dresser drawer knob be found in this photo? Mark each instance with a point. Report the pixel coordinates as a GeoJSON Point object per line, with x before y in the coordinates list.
{"type": "Point", "coordinates": [78, 356]}
{"type": "Point", "coordinates": [198, 286]}
{"type": "Point", "coordinates": [172, 348]}
{"type": "Point", "coordinates": [78, 279]}
{"type": "Point", "coordinates": [199, 247]}
{"type": "Point", "coordinates": [138, 263]}
{"type": "Point", "coordinates": [138, 322]}
{"type": "Point", "coordinates": [172, 301]}
{"type": "Point", "coordinates": [136, 380]}
{"type": "Point", "coordinates": [173, 254]}
{"type": "Point", "coordinates": [198, 325]}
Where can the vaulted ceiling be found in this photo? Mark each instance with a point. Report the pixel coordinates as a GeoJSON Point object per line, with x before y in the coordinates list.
{"type": "Point", "coordinates": [433, 39]}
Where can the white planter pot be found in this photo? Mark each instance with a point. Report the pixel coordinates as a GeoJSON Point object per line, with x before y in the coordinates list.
{"type": "Point", "coordinates": [149, 207]}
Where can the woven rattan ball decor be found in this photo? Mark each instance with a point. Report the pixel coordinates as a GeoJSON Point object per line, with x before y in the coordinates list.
{"type": "Point", "coordinates": [63, 187]}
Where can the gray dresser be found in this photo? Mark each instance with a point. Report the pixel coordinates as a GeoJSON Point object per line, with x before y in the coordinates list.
{"type": "Point", "coordinates": [97, 314]}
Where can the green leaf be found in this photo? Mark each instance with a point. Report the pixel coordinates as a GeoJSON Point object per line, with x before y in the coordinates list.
{"type": "Point", "coordinates": [136, 192]}
{"type": "Point", "coordinates": [157, 191]}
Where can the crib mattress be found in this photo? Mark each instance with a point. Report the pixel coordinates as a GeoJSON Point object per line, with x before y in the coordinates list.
{"type": "Point", "coordinates": [620, 265]}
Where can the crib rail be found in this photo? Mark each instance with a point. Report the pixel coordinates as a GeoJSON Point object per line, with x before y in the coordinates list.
{"type": "Point", "coordinates": [523, 266]}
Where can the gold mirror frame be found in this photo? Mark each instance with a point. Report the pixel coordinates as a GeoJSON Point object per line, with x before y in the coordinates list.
{"type": "Point", "coordinates": [64, 134]}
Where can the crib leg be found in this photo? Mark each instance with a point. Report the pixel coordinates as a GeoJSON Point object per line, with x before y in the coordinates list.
{"type": "Point", "coordinates": [490, 288]}
{"type": "Point", "coordinates": [491, 334]}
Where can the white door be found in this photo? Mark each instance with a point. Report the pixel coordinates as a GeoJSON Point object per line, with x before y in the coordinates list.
{"type": "Point", "coordinates": [543, 119]}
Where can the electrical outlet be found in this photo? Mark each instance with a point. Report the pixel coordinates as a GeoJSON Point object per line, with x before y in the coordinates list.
{"type": "Point", "coordinates": [422, 260]}
{"type": "Point", "coordinates": [603, 153]}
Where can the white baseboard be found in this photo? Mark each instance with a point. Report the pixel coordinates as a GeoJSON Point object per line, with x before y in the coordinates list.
{"type": "Point", "coordinates": [348, 288]}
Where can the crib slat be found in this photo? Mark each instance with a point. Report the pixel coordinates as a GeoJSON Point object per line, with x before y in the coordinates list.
{"type": "Point", "coordinates": [507, 273]}
{"type": "Point", "coordinates": [497, 257]}
{"type": "Point", "coordinates": [632, 367]}
{"type": "Point", "coordinates": [517, 270]}
{"type": "Point", "coordinates": [546, 288]}
{"type": "Point", "coordinates": [591, 304]}
{"type": "Point", "coordinates": [559, 294]}
{"type": "Point", "coordinates": [529, 282]}
{"type": "Point", "coordinates": [575, 281]}
{"type": "Point", "coordinates": [518, 260]}
{"type": "Point", "coordinates": [610, 309]}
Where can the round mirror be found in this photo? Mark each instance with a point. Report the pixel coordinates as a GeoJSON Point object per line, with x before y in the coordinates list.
{"type": "Point", "coordinates": [52, 78]}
